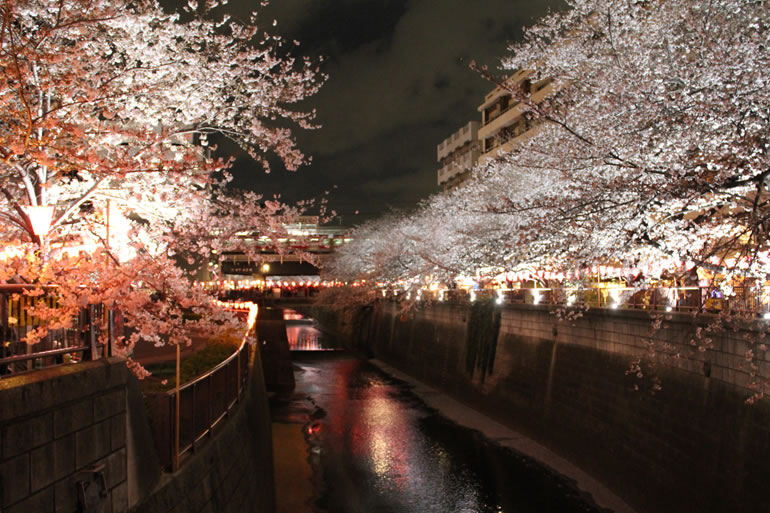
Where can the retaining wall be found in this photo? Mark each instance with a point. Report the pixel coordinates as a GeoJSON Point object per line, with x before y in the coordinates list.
{"type": "Point", "coordinates": [63, 428]}
{"type": "Point", "coordinates": [56, 424]}
{"type": "Point", "coordinates": [692, 446]}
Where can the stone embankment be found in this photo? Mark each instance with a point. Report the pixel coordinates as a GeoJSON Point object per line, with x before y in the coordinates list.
{"type": "Point", "coordinates": [77, 438]}
{"type": "Point", "coordinates": [694, 445]}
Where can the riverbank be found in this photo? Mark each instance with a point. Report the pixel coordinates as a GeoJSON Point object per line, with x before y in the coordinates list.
{"type": "Point", "coordinates": [506, 437]}
{"type": "Point", "coordinates": [692, 445]}
{"type": "Point", "coordinates": [293, 472]}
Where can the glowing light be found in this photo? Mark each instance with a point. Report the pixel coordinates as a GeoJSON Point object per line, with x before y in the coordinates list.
{"type": "Point", "coordinates": [766, 316]}
{"type": "Point", "coordinates": [265, 267]}
{"type": "Point", "coordinates": [473, 296]}
{"type": "Point", "coordinates": [615, 296]}
{"type": "Point", "coordinates": [9, 252]}
{"type": "Point", "coordinates": [668, 308]}
{"type": "Point", "coordinates": [40, 218]}
{"type": "Point", "coordinates": [535, 297]}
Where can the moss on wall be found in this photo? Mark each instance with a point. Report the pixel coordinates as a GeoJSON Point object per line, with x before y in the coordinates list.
{"type": "Point", "coordinates": [481, 341]}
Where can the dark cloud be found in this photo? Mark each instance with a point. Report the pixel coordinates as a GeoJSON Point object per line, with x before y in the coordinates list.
{"type": "Point", "coordinates": [399, 84]}
{"type": "Point", "coordinates": [441, 81]}
{"type": "Point", "coordinates": [336, 27]}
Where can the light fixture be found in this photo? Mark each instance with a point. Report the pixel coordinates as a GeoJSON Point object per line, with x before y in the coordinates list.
{"type": "Point", "coordinates": [40, 217]}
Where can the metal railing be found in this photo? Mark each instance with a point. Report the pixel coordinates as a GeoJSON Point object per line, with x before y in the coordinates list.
{"type": "Point", "coordinates": [203, 403]}
{"type": "Point", "coordinates": [77, 342]}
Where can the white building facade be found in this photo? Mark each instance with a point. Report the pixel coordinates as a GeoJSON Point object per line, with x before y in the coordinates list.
{"type": "Point", "coordinates": [457, 154]}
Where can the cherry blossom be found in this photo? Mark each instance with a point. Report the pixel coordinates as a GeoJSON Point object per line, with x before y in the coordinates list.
{"type": "Point", "coordinates": [652, 151]}
{"type": "Point", "coordinates": [108, 109]}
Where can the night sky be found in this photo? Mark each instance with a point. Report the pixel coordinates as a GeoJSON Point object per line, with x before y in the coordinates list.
{"type": "Point", "coordinates": [399, 83]}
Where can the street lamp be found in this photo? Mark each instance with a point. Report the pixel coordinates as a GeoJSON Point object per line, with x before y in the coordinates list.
{"type": "Point", "coordinates": [40, 217]}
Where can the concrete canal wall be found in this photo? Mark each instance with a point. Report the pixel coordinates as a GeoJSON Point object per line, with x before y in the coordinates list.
{"type": "Point", "coordinates": [76, 438]}
{"type": "Point", "coordinates": [692, 446]}
{"type": "Point", "coordinates": [63, 431]}
{"type": "Point", "coordinates": [274, 348]}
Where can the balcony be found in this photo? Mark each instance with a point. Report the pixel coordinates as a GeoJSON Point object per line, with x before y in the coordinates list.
{"type": "Point", "coordinates": [501, 121]}
{"type": "Point", "coordinates": [458, 166]}
{"type": "Point", "coordinates": [464, 135]}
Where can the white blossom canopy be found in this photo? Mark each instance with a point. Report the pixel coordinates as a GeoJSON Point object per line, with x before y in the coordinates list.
{"type": "Point", "coordinates": [655, 146]}
{"type": "Point", "coordinates": [115, 99]}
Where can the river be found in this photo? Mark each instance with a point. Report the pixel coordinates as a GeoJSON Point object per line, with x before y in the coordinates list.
{"type": "Point", "coordinates": [374, 447]}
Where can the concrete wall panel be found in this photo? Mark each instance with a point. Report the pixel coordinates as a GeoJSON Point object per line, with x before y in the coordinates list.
{"type": "Point", "coordinates": [692, 446]}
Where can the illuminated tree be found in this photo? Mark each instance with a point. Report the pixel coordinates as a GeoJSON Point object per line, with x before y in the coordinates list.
{"type": "Point", "coordinates": [116, 100]}
{"type": "Point", "coordinates": [653, 150]}
{"type": "Point", "coordinates": [654, 146]}
{"type": "Point", "coordinates": [106, 110]}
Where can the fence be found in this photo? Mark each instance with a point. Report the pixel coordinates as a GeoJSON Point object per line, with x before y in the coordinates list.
{"type": "Point", "coordinates": [77, 342]}
{"type": "Point", "coordinates": [754, 300]}
{"type": "Point", "coordinates": [203, 403]}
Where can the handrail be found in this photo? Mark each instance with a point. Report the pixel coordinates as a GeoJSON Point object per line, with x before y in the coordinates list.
{"type": "Point", "coordinates": [211, 371]}
{"type": "Point", "coordinates": [21, 286]}
{"type": "Point", "coordinates": [204, 402]}
{"type": "Point", "coordinates": [42, 354]}
{"type": "Point", "coordinates": [16, 322]}
{"type": "Point", "coordinates": [184, 416]}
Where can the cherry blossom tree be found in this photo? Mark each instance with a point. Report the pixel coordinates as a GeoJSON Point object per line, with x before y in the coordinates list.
{"type": "Point", "coordinates": [153, 296]}
{"type": "Point", "coordinates": [116, 100]}
{"type": "Point", "coordinates": [657, 140]}
{"type": "Point", "coordinates": [653, 150]}
{"type": "Point", "coordinates": [107, 110]}
{"type": "Point", "coordinates": [654, 146]}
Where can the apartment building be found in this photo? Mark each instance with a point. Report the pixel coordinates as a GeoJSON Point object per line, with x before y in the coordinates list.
{"type": "Point", "coordinates": [504, 123]}
{"type": "Point", "coordinates": [457, 154]}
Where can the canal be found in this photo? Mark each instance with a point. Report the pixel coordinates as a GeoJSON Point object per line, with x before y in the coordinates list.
{"type": "Point", "coordinates": [372, 446]}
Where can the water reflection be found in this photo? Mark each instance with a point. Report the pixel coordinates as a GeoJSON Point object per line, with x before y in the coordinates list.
{"type": "Point", "coordinates": [377, 448]}
{"type": "Point", "coordinates": [303, 334]}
